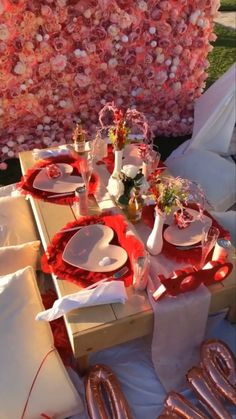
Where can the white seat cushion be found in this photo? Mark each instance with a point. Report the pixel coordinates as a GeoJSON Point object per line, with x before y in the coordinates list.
{"type": "Point", "coordinates": [8, 190]}
{"type": "Point", "coordinates": [24, 345]}
{"type": "Point", "coordinates": [13, 258]}
{"type": "Point", "coordinates": [214, 115]}
{"type": "Point", "coordinates": [215, 174]}
{"type": "Point", "coordinates": [16, 214]}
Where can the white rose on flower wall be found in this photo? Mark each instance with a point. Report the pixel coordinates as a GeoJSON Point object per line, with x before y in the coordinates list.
{"type": "Point", "coordinates": [65, 61]}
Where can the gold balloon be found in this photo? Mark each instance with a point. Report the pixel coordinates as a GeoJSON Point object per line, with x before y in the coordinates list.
{"type": "Point", "coordinates": [176, 404]}
{"type": "Point", "coordinates": [219, 363]}
{"type": "Point", "coordinates": [206, 393]}
{"type": "Point", "coordinates": [104, 397]}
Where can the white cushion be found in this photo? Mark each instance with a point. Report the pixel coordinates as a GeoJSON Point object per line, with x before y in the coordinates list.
{"type": "Point", "coordinates": [8, 190]}
{"type": "Point", "coordinates": [16, 214]}
{"type": "Point", "coordinates": [24, 344]}
{"type": "Point", "coordinates": [17, 257]}
{"type": "Point", "coordinates": [228, 221]}
{"type": "Point", "coordinates": [214, 115]}
{"type": "Point", "coordinates": [215, 174]}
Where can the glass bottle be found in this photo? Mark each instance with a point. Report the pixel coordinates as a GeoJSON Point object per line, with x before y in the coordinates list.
{"type": "Point", "coordinates": [135, 206]}
{"type": "Point", "coordinates": [79, 139]}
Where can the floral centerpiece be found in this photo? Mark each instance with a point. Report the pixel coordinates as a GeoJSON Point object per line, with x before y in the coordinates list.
{"type": "Point", "coordinates": [130, 177]}
{"type": "Point", "coordinates": [172, 194]}
{"type": "Point", "coordinates": [119, 130]}
{"type": "Point", "coordinates": [121, 124]}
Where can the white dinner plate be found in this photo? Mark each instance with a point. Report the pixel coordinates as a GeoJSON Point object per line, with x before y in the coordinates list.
{"type": "Point", "coordinates": [62, 184]}
{"type": "Point", "coordinates": [189, 235]}
{"type": "Point", "coordinates": [90, 245]}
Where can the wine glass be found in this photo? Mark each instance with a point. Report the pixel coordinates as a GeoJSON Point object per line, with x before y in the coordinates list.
{"type": "Point", "coordinates": [209, 238]}
{"type": "Point", "coordinates": [141, 265]}
{"type": "Point", "coordinates": [86, 170]}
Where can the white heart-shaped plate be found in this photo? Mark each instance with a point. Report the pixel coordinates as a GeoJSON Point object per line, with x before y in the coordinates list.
{"type": "Point", "coordinates": [90, 245]}
{"type": "Point", "coordinates": [62, 184]}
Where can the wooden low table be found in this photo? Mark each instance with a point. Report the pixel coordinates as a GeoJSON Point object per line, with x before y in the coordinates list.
{"type": "Point", "coordinates": [95, 328]}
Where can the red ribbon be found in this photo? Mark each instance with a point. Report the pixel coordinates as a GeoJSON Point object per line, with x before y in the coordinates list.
{"type": "Point", "coordinates": [26, 183]}
{"type": "Point", "coordinates": [33, 383]}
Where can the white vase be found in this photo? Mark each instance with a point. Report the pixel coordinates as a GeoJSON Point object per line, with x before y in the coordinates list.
{"type": "Point", "coordinates": [118, 161]}
{"type": "Point", "coordinates": [155, 240]}
{"type": "Point", "coordinates": [115, 185]}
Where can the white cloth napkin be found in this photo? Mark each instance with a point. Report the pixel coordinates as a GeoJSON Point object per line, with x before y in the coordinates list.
{"type": "Point", "coordinates": [47, 153]}
{"type": "Point", "coordinates": [179, 329]}
{"type": "Point", "coordinates": [104, 293]}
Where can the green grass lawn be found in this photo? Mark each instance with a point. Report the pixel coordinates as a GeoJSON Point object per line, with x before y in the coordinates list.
{"type": "Point", "coordinates": [223, 54]}
{"type": "Point", "coordinates": [227, 5]}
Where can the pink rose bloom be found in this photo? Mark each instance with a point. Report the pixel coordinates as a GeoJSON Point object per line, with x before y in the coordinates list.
{"type": "Point", "coordinates": [178, 49]}
{"type": "Point", "coordinates": [4, 32]}
{"type": "Point", "coordinates": [82, 80]}
{"type": "Point", "coordinates": [156, 14]}
{"type": "Point", "coordinates": [58, 63]}
{"type": "Point", "coordinates": [98, 33]}
{"type": "Point", "coordinates": [165, 5]}
{"type": "Point", "coordinates": [46, 11]}
{"type": "Point", "coordinates": [161, 77]}
{"type": "Point", "coordinates": [163, 28]}
{"type": "Point", "coordinates": [59, 43]}
{"type": "Point", "coordinates": [44, 69]}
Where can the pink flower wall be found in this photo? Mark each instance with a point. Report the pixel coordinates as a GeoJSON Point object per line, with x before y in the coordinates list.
{"type": "Point", "coordinates": [62, 60]}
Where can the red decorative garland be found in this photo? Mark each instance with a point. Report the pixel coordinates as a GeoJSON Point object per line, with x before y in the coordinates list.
{"type": "Point", "coordinates": [26, 183]}
{"type": "Point", "coordinates": [52, 260]}
{"type": "Point", "coordinates": [190, 256]}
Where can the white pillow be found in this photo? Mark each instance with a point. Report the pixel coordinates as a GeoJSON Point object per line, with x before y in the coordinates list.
{"type": "Point", "coordinates": [214, 115]}
{"type": "Point", "coordinates": [8, 190]}
{"type": "Point", "coordinates": [16, 214]}
{"type": "Point", "coordinates": [215, 174]}
{"type": "Point", "coordinates": [17, 257]}
{"type": "Point", "coordinates": [24, 345]}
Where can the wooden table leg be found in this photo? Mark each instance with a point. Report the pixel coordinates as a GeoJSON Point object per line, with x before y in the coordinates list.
{"type": "Point", "coordinates": [82, 364]}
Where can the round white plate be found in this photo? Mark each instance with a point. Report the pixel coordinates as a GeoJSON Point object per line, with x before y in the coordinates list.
{"type": "Point", "coordinates": [63, 184]}
{"type": "Point", "coordinates": [90, 245]}
{"type": "Point", "coordinates": [189, 235]}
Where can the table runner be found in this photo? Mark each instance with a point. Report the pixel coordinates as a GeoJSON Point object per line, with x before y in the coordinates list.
{"type": "Point", "coordinates": [191, 256]}
{"type": "Point", "coordinates": [52, 258]}
{"type": "Point", "coordinates": [26, 183]}
{"type": "Point", "coordinates": [179, 329]}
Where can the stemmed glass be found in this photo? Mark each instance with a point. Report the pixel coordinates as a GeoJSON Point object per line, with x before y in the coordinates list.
{"type": "Point", "coordinates": [86, 170]}
{"type": "Point", "coordinates": [153, 158]}
{"type": "Point", "coordinates": [209, 238]}
{"type": "Point", "coordinates": [141, 266]}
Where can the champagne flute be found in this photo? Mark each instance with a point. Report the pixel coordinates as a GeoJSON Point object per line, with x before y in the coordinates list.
{"type": "Point", "coordinates": [86, 170]}
{"type": "Point", "coordinates": [209, 238]}
{"type": "Point", "coordinates": [141, 265]}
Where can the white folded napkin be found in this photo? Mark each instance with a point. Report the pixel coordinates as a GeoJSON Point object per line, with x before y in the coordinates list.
{"type": "Point", "coordinates": [47, 153]}
{"type": "Point", "coordinates": [104, 293]}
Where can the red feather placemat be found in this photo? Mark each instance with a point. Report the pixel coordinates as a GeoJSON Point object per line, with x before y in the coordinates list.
{"type": "Point", "coordinates": [52, 260]}
{"type": "Point", "coordinates": [26, 183]}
